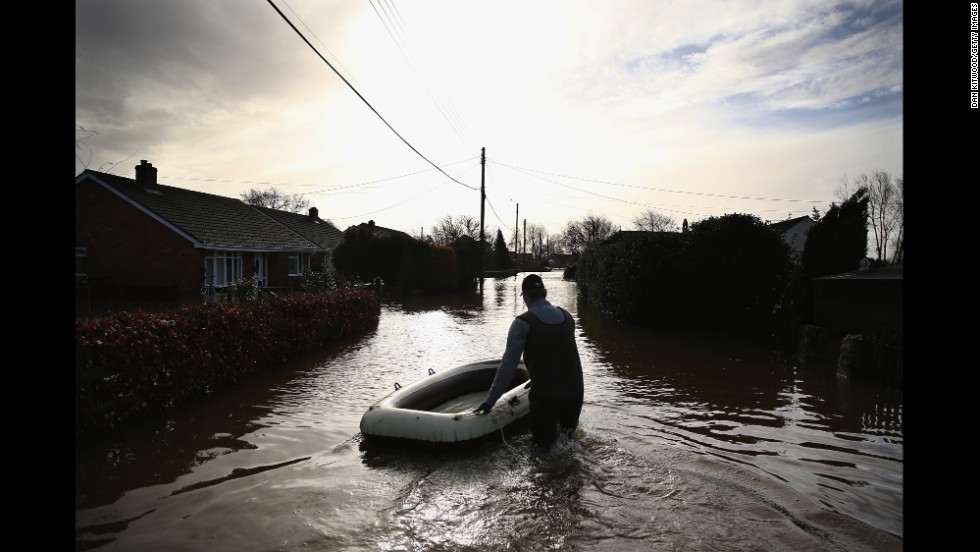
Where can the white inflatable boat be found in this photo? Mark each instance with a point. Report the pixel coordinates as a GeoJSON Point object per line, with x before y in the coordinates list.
{"type": "Point", "coordinates": [439, 407]}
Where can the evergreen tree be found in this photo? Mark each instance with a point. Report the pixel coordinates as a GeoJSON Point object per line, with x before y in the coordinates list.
{"type": "Point", "coordinates": [839, 240]}
{"type": "Point", "coordinates": [501, 256]}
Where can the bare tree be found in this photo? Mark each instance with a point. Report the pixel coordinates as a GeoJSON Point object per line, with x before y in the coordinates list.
{"type": "Point", "coordinates": [274, 199]}
{"type": "Point", "coordinates": [881, 210]}
{"type": "Point", "coordinates": [843, 190]}
{"type": "Point", "coordinates": [885, 210]}
{"type": "Point", "coordinates": [448, 230]}
{"type": "Point", "coordinates": [652, 221]}
{"type": "Point", "coordinates": [556, 244]}
{"type": "Point", "coordinates": [582, 233]}
{"type": "Point", "coordinates": [81, 148]}
{"type": "Point", "coordinates": [471, 226]}
{"type": "Point", "coordinates": [898, 206]}
{"type": "Point", "coordinates": [536, 234]}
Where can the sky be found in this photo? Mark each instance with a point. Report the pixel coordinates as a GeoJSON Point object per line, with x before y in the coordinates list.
{"type": "Point", "coordinates": [380, 110]}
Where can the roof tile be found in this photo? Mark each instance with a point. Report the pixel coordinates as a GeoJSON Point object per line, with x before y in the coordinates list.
{"type": "Point", "coordinates": [213, 221]}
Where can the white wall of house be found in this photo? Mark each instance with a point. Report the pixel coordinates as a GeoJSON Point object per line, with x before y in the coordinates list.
{"type": "Point", "coordinates": [796, 236]}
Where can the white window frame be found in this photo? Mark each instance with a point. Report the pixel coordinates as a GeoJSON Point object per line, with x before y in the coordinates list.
{"type": "Point", "coordinates": [223, 267]}
{"type": "Point", "coordinates": [297, 262]}
{"type": "Point", "coordinates": [260, 266]}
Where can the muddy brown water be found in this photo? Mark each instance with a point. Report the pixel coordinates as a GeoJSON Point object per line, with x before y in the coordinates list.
{"type": "Point", "coordinates": [687, 441]}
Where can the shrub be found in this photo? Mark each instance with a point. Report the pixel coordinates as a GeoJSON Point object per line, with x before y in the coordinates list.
{"type": "Point", "coordinates": [729, 272]}
{"type": "Point", "coordinates": [633, 276]}
{"type": "Point", "coordinates": [319, 280]}
{"type": "Point", "coordinates": [130, 364]}
{"type": "Point", "coordinates": [246, 289]}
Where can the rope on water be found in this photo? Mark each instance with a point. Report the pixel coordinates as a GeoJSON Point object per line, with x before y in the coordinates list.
{"type": "Point", "coordinates": [502, 438]}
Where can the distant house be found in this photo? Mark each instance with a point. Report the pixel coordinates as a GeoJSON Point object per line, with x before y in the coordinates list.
{"type": "Point", "coordinates": [521, 259]}
{"type": "Point", "coordinates": [794, 232]}
{"type": "Point", "coordinates": [370, 229]}
{"type": "Point", "coordinates": [559, 260]}
{"type": "Point", "coordinates": [138, 232]}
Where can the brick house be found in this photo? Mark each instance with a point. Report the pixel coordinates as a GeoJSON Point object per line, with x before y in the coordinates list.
{"type": "Point", "coordinates": [137, 232]}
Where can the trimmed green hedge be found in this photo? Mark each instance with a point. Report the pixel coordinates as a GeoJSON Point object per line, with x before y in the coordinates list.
{"type": "Point", "coordinates": [130, 364]}
{"type": "Point", "coordinates": [636, 277]}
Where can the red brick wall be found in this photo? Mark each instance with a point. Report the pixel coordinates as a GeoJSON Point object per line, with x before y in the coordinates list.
{"type": "Point", "coordinates": [132, 248]}
{"type": "Point", "coordinates": [129, 246]}
{"type": "Point", "coordinates": [277, 266]}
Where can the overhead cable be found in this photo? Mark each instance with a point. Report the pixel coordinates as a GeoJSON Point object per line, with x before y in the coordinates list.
{"type": "Point", "coordinates": [290, 23]}
{"type": "Point", "coordinates": [666, 190]}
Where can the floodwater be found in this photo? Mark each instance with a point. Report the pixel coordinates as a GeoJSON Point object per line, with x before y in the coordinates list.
{"type": "Point", "coordinates": [687, 442]}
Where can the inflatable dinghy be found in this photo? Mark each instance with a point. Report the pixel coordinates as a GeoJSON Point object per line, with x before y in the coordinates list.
{"type": "Point", "coordinates": [439, 407]}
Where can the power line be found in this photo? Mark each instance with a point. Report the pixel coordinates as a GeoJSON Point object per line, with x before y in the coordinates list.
{"type": "Point", "coordinates": [452, 110]}
{"type": "Point", "coordinates": [502, 223]}
{"type": "Point", "coordinates": [318, 40]}
{"type": "Point", "coordinates": [325, 190]}
{"type": "Point", "coordinates": [492, 190]}
{"type": "Point", "coordinates": [398, 25]}
{"type": "Point", "coordinates": [367, 103]}
{"type": "Point", "coordinates": [416, 196]}
{"type": "Point", "coordinates": [525, 171]}
{"type": "Point", "coordinates": [663, 189]}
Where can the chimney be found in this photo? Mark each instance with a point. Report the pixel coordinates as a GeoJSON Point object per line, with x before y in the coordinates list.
{"type": "Point", "coordinates": [146, 174]}
{"type": "Point", "coordinates": [314, 213]}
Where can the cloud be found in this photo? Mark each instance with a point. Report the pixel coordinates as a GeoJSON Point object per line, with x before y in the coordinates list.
{"type": "Point", "coordinates": [769, 98]}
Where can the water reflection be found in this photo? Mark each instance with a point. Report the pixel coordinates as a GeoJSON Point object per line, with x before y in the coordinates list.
{"type": "Point", "coordinates": [741, 402]}
{"type": "Point", "coordinates": [162, 448]}
{"type": "Point", "coordinates": [686, 441]}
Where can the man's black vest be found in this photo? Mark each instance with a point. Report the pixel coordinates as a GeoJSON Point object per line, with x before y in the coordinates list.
{"type": "Point", "coordinates": [551, 356]}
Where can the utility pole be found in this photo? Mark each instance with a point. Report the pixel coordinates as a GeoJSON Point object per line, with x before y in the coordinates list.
{"type": "Point", "coordinates": [483, 200]}
{"type": "Point", "coordinates": [517, 210]}
{"type": "Point", "coordinates": [524, 252]}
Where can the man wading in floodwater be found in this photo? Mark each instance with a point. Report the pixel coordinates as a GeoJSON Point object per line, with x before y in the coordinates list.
{"type": "Point", "coordinates": [545, 335]}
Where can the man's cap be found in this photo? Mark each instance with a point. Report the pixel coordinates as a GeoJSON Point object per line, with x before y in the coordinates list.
{"type": "Point", "coordinates": [531, 281]}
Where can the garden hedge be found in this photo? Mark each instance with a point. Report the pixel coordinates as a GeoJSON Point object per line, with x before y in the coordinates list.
{"type": "Point", "coordinates": [130, 364]}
